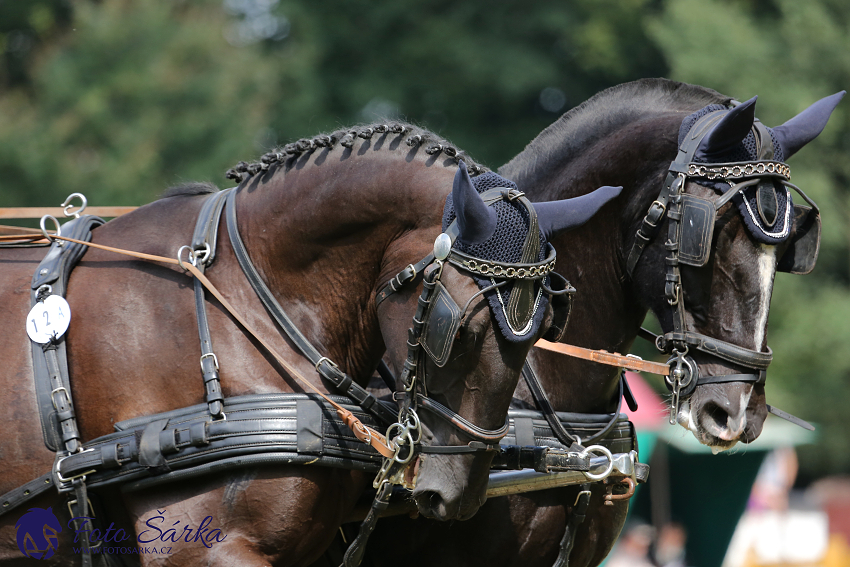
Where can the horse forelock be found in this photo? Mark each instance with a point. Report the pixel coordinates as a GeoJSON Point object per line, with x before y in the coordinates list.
{"type": "Point", "coordinates": [604, 114]}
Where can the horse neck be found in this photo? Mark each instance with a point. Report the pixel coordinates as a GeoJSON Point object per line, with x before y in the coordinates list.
{"type": "Point", "coordinates": [326, 233]}
{"type": "Point", "coordinates": [606, 312]}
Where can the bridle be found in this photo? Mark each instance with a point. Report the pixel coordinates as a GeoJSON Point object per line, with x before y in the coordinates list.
{"type": "Point", "coordinates": [435, 325]}
{"type": "Point", "coordinates": [689, 238]}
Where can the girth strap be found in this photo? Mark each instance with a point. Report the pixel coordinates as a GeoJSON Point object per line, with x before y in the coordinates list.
{"type": "Point", "coordinates": [324, 366]}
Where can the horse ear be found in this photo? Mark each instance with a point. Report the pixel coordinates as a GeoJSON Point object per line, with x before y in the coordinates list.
{"type": "Point", "coordinates": [729, 131]}
{"type": "Point", "coordinates": [476, 221]}
{"type": "Point", "coordinates": [558, 216]}
{"type": "Point", "coordinates": [806, 126]}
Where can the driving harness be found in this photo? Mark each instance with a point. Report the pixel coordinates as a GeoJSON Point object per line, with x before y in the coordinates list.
{"type": "Point", "coordinates": [225, 433]}
{"type": "Point", "coordinates": [689, 241]}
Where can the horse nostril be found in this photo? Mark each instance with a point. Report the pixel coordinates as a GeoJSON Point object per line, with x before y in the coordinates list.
{"type": "Point", "coordinates": [431, 504]}
{"type": "Point", "coordinates": [723, 423]}
{"type": "Point", "coordinates": [716, 415]}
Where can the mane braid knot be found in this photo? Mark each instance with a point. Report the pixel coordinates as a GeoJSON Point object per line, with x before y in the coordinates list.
{"type": "Point", "coordinates": [346, 138]}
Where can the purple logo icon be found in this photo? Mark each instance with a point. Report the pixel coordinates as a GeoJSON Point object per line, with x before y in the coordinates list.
{"type": "Point", "coordinates": [37, 533]}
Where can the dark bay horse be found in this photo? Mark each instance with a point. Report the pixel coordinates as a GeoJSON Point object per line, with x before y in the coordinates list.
{"type": "Point", "coordinates": [327, 222]}
{"type": "Point", "coordinates": [627, 135]}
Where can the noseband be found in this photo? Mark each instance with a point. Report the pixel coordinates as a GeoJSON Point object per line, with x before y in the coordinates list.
{"type": "Point", "coordinates": [689, 236]}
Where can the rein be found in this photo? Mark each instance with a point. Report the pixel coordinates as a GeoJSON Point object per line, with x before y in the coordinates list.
{"type": "Point", "coordinates": [362, 432]}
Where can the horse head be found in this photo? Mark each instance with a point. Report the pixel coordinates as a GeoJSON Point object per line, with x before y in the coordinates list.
{"type": "Point", "coordinates": [731, 225]}
{"type": "Point", "coordinates": [489, 295]}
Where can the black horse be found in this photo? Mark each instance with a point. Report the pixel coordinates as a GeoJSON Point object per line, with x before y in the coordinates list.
{"type": "Point", "coordinates": [628, 135]}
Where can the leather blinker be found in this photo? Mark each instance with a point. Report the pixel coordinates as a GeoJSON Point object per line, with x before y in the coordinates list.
{"type": "Point", "coordinates": [767, 203]}
{"type": "Point", "coordinates": [696, 230]}
{"type": "Point", "coordinates": [442, 321]}
{"type": "Point", "coordinates": [802, 253]}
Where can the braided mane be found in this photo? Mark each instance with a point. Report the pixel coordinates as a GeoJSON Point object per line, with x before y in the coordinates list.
{"type": "Point", "coordinates": [346, 137]}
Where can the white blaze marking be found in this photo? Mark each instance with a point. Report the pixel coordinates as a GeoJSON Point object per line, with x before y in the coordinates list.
{"type": "Point", "coordinates": [766, 271]}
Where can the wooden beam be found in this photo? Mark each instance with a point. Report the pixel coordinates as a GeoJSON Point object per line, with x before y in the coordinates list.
{"type": "Point", "coordinates": [58, 212]}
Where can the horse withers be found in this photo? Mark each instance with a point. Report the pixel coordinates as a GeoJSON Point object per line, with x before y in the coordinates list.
{"type": "Point", "coordinates": [629, 135]}
{"type": "Point", "coordinates": [326, 223]}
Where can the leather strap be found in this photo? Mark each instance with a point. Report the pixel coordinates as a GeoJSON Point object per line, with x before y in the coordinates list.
{"type": "Point", "coordinates": [26, 492]}
{"type": "Point", "coordinates": [574, 520]}
{"type": "Point", "coordinates": [486, 436]}
{"type": "Point", "coordinates": [542, 402]}
{"type": "Point", "coordinates": [324, 366]}
{"type": "Point", "coordinates": [354, 553]}
{"type": "Point", "coordinates": [604, 357]}
{"type": "Point", "coordinates": [720, 349]}
{"type": "Point", "coordinates": [204, 244]}
{"type": "Point", "coordinates": [78, 506]}
{"type": "Point", "coordinates": [50, 364]}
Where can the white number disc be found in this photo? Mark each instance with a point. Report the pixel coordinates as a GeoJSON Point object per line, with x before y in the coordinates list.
{"type": "Point", "coordinates": [48, 319]}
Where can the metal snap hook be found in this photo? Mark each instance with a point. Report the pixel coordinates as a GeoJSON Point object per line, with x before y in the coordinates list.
{"type": "Point", "coordinates": [67, 206]}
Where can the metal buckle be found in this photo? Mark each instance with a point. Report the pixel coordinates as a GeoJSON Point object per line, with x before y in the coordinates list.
{"type": "Point", "coordinates": [578, 496]}
{"type": "Point", "coordinates": [208, 355]}
{"type": "Point", "coordinates": [67, 397]}
{"type": "Point", "coordinates": [63, 481]}
{"type": "Point", "coordinates": [675, 300]}
{"type": "Point", "coordinates": [606, 453]}
{"type": "Point", "coordinates": [74, 501]}
{"type": "Point", "coordinates": [328, 360]}
{"type": "Point", "coordinates": [658, 207]}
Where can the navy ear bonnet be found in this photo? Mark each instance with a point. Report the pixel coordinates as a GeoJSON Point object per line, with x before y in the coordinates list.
{"type": "Point", "coordinates": [776, 205]}
{"type": "Point", "coordinates": [505, 245]}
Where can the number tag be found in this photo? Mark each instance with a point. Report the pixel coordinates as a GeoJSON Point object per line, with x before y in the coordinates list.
{"type": "Point", "coordinates": [48, 319]}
